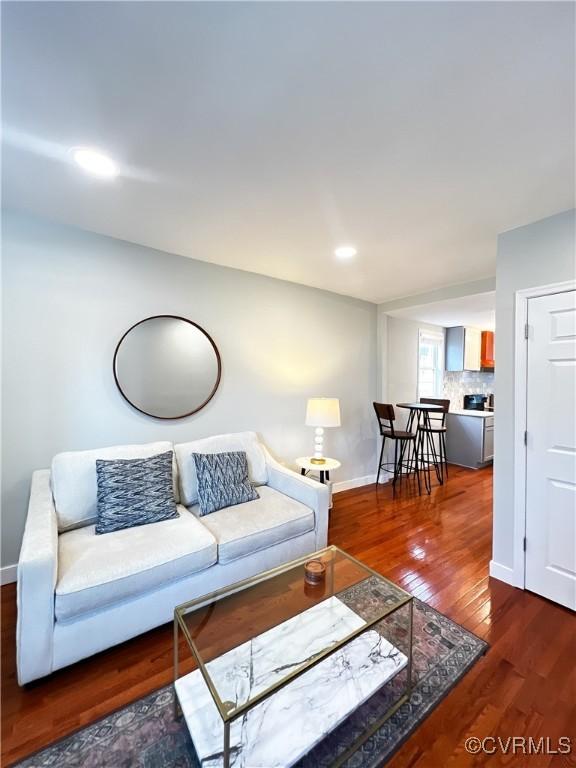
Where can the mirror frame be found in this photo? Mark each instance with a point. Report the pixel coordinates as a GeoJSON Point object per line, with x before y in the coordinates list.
{"type": "Point", "coordinates": [185, 320]}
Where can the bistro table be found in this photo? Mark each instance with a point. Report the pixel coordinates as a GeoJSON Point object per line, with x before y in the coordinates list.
{"type": "Point", "coordinates": [420, 414]}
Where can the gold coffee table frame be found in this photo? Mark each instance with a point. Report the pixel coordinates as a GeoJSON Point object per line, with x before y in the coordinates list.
{"type": "Point", "coordinates": [336, 560]}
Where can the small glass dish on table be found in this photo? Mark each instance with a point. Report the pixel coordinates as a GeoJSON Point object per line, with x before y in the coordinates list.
{"type": "Point", "coordinates": [266, 668]}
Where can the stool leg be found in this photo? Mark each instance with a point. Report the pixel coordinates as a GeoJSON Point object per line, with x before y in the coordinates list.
{"type": "Point", "coordinates": [410, 458]}
{"type": "Point", "coordinates": [426, 458]}
{"type": "Point", "coordinates": [435, 458]}
{"type": "Point", "coordinates": [441, 458]}
{"type": "Point", "coordinates": [445, 459]}
{"type": "Point", "coordinates": [401, 463]}
{"type": "Point", "coordinates": [417, 468]}
{"type": "Point", "coordinates": [405, 458]}
{"type": "Point", "coordinates": [395, 464]}
{"type": "Point", "coordinates": [381, 457]}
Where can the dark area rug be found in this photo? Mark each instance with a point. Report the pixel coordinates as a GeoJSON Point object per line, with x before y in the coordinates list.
{"type": "Point", "coordinates": [146, 735]}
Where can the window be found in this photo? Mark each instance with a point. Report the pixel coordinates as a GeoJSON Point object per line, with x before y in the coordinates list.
{"type": "Point", "coordinates": [430, 364]}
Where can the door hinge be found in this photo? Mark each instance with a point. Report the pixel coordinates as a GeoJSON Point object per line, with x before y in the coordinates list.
{"type": "Point", "coordinates": [525, 437]}
{"type": "Point", "coordinates": [526, 331]}
{"type": "Point", "coordinates": [524, 544]}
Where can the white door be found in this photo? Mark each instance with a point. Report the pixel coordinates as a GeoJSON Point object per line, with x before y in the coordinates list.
{"type": "Point", "coordinates": [551, 448]}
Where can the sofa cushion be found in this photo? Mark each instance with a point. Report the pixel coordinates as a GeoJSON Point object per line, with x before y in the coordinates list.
{"type": "Point", "coordinates": [74, 484]}
{"type": "Point", "coordinates": [96, 571]}
{"type": "Point", "coordinates": [222, 480]}
{"type": "Point", "coordinates": [254, 525]}
{"type": "Point", "coordinates": [238, 441]}
{"type": "Point", "coordinates": [134, 492]}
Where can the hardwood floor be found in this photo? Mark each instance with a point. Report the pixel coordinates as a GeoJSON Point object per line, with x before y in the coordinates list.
{"type": "Point", "coordinates": [436, 547]}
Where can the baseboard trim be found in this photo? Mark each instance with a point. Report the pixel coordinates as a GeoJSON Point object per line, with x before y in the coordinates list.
{"type": "Point", "coordinates": [8, 574]}
{"type": "Point", "coordinates": [355, 482]}
{"type": "Point", "coordinates": [503, 573]}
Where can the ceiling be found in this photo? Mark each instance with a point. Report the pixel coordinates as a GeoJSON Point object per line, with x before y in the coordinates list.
{"type": "Point", "coordinates": [263, 135]}
{"type": "Point", "coordinates": [478, 311]}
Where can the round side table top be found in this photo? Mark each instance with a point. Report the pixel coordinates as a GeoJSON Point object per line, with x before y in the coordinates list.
{"type": "Point", "coordinates": [305, 462]}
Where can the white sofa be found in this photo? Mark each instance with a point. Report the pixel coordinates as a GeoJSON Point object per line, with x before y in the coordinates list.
{"type": "Point", "coordinates": [79, 593]}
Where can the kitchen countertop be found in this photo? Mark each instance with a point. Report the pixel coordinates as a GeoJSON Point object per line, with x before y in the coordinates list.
{"type": "Point", "coordinates": [477, 414]}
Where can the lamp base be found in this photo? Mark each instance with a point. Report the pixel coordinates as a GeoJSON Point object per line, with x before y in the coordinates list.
{"type": "Point", "coordinates": [317, 461]}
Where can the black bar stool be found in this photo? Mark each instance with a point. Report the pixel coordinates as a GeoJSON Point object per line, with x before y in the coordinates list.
{"type": "Point", "coordinates": [437, 426]}
{"type": "Point", "coordinates": [403, 440]}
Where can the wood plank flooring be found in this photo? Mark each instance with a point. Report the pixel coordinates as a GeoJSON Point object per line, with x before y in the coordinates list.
{"type": "Point", "coordinates": [436, 547]}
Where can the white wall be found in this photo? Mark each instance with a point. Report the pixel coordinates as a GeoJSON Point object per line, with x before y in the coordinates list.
{"type": "Point", "coordinates": [535, 255]}
{"type": "Point", "coordinates": [400, 376]}
{"type": "Point", "coordinates": [68, 297]}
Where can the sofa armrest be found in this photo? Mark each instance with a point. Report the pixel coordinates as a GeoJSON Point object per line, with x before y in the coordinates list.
{"type": "Point", "coordinates": [309, 492]}
{"type": "Point", "coordinates": [37, 573]}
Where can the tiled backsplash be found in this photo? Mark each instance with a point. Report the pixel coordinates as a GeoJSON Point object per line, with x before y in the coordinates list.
{"type": "Point", "coordinates": [460, 383]}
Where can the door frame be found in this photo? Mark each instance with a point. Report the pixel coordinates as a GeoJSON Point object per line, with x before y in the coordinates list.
{"type": "Point", "coordinates": [520, 414]}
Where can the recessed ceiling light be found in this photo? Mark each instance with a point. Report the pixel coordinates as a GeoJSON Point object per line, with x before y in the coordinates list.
{"type": "Point", "coordinates": [95, 162]}
{"type": "Point", "coordinates": [345, 252]}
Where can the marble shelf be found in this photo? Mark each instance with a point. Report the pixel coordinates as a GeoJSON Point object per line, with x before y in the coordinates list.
{"type": "Point", "coordinates": [278, 731]}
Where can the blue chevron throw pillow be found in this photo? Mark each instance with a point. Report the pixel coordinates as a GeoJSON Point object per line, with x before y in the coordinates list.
{"type": "Point", "coordinates": [134, 492]}
{"type": "Point", "coordinates": [222, 480]}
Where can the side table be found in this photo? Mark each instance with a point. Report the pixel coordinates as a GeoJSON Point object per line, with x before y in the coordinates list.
{"type": "Point", "coordinates": [307, 465]}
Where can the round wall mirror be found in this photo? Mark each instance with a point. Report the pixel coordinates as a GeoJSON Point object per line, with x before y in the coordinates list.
{"type": "Point", "coordinates": [167, 366]}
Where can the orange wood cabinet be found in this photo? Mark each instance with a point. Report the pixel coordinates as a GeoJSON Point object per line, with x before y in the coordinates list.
{"type": "Point", "coordinates": [487, 349]}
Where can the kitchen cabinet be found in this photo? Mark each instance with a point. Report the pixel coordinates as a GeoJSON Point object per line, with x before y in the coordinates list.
{"type": "Point", "coordinates": [487, 350]}
{"type": "Point", "coordinates": [488, 443]}
{"type": "Point", "coordinates": [470, 438]}
{"type": "Point", "coordinates": [463, 349]}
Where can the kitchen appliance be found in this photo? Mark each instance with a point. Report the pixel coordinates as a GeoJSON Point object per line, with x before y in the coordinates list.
{"type": "Point", "coordinates": [490, 405]}
{"type": "Point", "coordinates": [474, 402]}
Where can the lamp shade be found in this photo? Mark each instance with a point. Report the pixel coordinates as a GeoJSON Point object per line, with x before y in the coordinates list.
{"type": "Point", "coordinates": [323, 412]}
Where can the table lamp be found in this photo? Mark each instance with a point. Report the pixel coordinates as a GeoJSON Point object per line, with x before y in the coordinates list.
{"type": "Point", "coordinates": [321, 412]}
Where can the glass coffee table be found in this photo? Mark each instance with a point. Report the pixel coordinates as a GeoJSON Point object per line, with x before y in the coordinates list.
{"type": "Point", "coordinates": [266, 668]}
